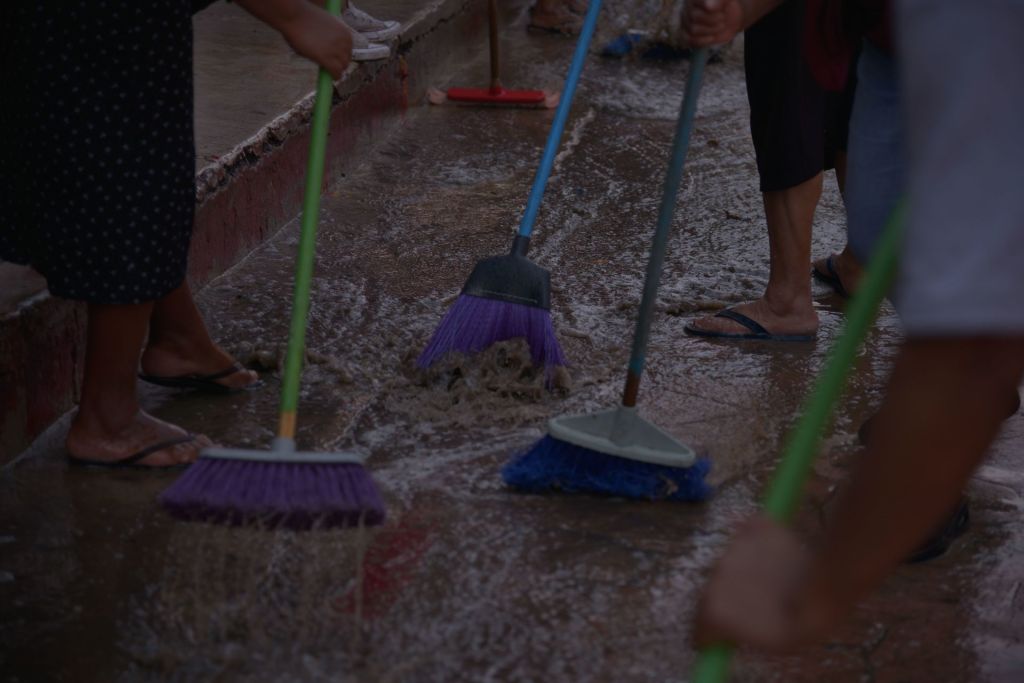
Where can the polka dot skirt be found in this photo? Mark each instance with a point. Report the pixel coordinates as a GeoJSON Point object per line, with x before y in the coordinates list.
{"type": "Point", "coordinates": [97, 156]}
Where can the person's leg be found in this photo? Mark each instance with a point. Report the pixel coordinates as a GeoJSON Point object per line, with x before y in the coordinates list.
{"type": "Point", "coordinates": [180, 345]}
{"type": "Point", "coordinates": [109, 424]}
{"type": "Point", "coordinates": [842, 271]}
{"type": "Point", "coordinates": [787, 114]}
{"type": "Point", "coordinates": [785, 307]}
{"type": "Point", "coordinates": [843, 266]}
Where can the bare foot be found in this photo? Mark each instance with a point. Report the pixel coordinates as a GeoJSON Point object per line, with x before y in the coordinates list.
{"type": "Point", "coordinates": [555, 16]}
{"type": "Point", "coordinates": [798, 322]}
{"type": "Point", "coordinates": [88, 440]}
{"type": "Point", "coordinates": [165, 359]}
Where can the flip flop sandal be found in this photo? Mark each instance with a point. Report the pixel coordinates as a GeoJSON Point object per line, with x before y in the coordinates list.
{"type": "Point", "coordinates": [939, 543]}
{"type": "Point", "coordinates": [831, 278]}
{"type": "Point", "coordinates": [132, 462]}
{"type": "Point", "coordinates": [757, 331]}
{"type": "Point", "coordinates": [569, 26]}
{"type": "Point", "coordinates": [206, 383]}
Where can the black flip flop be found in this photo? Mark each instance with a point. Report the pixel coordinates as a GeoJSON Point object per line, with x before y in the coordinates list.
{"type": "Point", "coordinates": [757, 331]}
{"type": "Point", "coordinates": [939, 543]}
{"type": "Point", "coordinates": [133, 460]}
{"type": "Point", "coordinates": [831, 278]}
{"type": "Point", "coordinates": [206, 383]}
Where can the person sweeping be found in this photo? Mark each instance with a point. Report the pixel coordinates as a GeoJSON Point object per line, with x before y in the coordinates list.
{"type": "Point", "coordinates": [957, 294]}
{"type": "Point", "coordinates": [97, 166]}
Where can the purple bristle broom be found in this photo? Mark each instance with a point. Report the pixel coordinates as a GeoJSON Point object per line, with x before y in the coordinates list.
{"type": "Point", "coordinates": [508, 297]}
{"type": "Point", "coordinates": [283, 487]}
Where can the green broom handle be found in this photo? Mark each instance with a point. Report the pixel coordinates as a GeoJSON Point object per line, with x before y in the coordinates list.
{"type": "Point", "coordinates": [307, 248]}
{"type": "Point", "coordinates": [785, 490]}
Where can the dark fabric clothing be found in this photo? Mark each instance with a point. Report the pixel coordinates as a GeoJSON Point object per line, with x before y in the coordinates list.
{"type": "Point", "coordinates": [97, 158]}
{"type": "Point", "coordinates": [834, 31]}
{"type": "Point", "coordinates": [200, 5]}
{"type": "Point", "coordinates": [797, 126]}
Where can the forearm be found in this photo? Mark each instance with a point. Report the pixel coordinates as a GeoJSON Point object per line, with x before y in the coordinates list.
{"type": "Point", "coordinates": [945, 404]}
{"type": "Point", "coordinates": [754, 10]}
{"type": "Point", "coordinates": [713, 22]}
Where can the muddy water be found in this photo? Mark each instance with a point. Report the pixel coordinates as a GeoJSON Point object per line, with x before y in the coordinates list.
{"type": "Point", "coordinates": [468, 581]}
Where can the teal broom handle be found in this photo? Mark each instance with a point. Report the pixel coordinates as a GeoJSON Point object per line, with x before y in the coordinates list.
{"type": "Point", "coordinates": [785, 490]}
{"type": "Point", "coordinates": [673, 178]}
{"type": "Point", "coordinates": [307, 248]}
{"type": "Point", "coordinates": [561, 116]}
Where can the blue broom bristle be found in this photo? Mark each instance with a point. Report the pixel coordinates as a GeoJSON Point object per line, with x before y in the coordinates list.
{"type": "Point", "coordinates": [275, 494]}
{"type": "Point", "coordinates": [474, 323]}
{"type": "Point", "coordinates": [555, 465]}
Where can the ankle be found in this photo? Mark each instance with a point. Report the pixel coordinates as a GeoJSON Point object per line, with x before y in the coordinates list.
{"type": "Point", "coordinates": [789, 304]}
{"type": "Point", "coordinates": [111, 420]}
{"type": "Point", "coordinates": [179, 345]}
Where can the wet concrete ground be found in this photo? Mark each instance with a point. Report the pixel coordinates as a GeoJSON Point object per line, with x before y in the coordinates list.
{"type": "Point", "coordinates": [467, 580]}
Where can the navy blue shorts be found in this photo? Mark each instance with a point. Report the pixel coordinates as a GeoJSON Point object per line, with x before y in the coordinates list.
{"type": "Point", "coordinates": [797, 126]}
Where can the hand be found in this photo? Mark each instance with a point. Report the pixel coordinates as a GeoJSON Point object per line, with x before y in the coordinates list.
{"type": "Point", "coordinates": [711, 22]}
{"type": "Point", "coordinates": [759, 595]}
{"type": "Point", "coordinates": [321, 38]}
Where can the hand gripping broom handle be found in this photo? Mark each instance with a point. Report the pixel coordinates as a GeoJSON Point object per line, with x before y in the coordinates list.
{"type": "Point", "coordinates": [784, 492]}
{"type": "Point", "coordinates": [522, 241]}
{"type": "Point", "coordinates": [676, 162]}
{"type": "Point", "coordinates": [307, 248]}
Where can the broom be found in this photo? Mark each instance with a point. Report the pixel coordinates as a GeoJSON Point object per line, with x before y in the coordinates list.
{"type": "Point", "coordinates": [496, 93]}
{"type": "Point", "coordinates": [783, 495]}
{"type": "Point", "coordinates": [615, 451]}
{"type": "Point", "coordinates": [509, 297]}
{"type": "Point", "coordinates": [284, 487]}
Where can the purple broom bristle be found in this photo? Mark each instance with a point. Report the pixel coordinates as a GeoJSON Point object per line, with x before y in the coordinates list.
{"type": "Point", "coordinates": [555, 465]}
{"type": "Point", "coordinates": [291, 495]}
{"type": "Point", "coordinates": [474, 323]}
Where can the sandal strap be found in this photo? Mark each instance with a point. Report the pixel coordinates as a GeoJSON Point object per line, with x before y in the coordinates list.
{"type": "Point", "coordinates": [749, 323]}
{"type": "Point", "coordinates": [226, 372]}
{"type": "Point", "coordinates": [150, 450]}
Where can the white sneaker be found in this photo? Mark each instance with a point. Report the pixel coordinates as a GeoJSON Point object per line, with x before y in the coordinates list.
{"type": "Point", "coordinates": [365, 51]}
{"type": "Point", "coordinates": [374, 29]}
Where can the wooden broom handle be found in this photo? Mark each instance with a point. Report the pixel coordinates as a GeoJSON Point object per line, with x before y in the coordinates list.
{"type": "Point", "coordinates": [495, 51]}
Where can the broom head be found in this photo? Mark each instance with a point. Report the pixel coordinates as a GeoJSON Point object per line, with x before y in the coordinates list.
{"type": "Point", "coordinates": [613, 452]}
{"type": "Point", "coordinates": [280, 488]}
{"type": "Point", "coordinates": [505, 297]}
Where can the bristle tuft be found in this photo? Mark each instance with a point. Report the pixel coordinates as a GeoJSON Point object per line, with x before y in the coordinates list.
{"type": "Point", "coordinates": [275, 494]}
{"type": "Point", "coordinates": [474, 323]}
{"type": "Point", "coordinates": [554, 465]}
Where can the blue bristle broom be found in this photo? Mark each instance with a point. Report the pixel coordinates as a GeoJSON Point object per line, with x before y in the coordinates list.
{"type": "Point", "coordinates": [615, 451]}
{"type": "Point", "coordinates": [509, 297]}
{"type": "Point", "coordinates": [283, 487]}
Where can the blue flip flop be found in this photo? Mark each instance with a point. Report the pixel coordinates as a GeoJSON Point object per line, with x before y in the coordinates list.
{"type": "Point", "coordinates": [757, 331]}
{"type": "Point", "coordinates": [831, 278]}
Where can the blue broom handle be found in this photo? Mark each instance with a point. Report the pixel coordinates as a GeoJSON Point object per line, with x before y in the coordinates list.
{"type": "Point", "coordinates": [561, 116]}
{"type": "Point", "coordinates": [680, 146]}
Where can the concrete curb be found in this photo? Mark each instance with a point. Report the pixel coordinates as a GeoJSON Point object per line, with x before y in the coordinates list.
{"type": "Point", "coordinates": [242, 198]}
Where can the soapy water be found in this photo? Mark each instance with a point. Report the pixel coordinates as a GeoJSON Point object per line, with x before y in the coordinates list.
{"type": "Point", "coordinates": [468, 580]}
